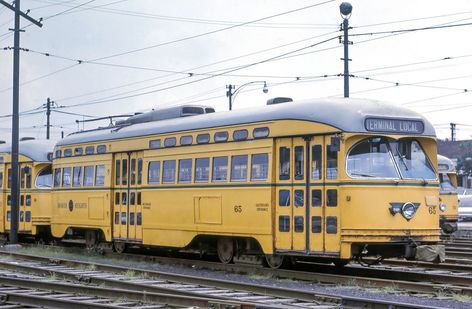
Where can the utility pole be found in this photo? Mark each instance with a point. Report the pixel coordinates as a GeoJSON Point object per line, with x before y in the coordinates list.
{"type": "Point", "coordinates": [346, 8]}
{"type": "Point", "coordinates": [48, 116]}
{"type": "Point", "coordinates": [453, 132]}
{"type": "Point", "coordinates": [229, 94]}
{"type": "Point", "coordinates": [15, 193]}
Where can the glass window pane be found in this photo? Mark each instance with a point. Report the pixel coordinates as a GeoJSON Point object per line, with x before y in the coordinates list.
{"type": "Point", "coordinates": [221, 136]}
{"type": "Point", "coordinates": [124, 172]}
{"type": "Point", "coordinates": [78, 151]}
{"type": "Point", "coordinates": [259, 166]}
{"type": "Point", "coordinates": [186, 140]}
{"type": "Point", "coordinates": [185, 170]}
{"type": "Point", "coordinates": [117, 198]}
{"type": "Point", "coordinates": [66, 177]}
{"type": "Point", "coordinates": [89, 150]}
{"type": "Point", "coordinates": [220, 169]}
{"type": "Point", "coordinates": [284, 197]}
{"type": "Point", "coordinates": [123, 198]}
{"type": "Point", "coordinates": [77, 176]}
{"type": "Point", "coordinates": [58, 153]}
{"type": "Point", "coordinates": [117, 172]}
{"type": "Point", "coordinates": [316, 224]}
{"type": "Point", "coordinates": [316, 162]}
{"type": "Point", "coordinates": [28, 174]}
{"type": "Point", "coordinates": [284, 163]}
{"type": "Point", "coordinates": [371, 158]}
{"type": "Point", "coordinates": [332, 225]}
{"type": "Point", "coordinates": [154, 172]}
{"type": "Point", "coordinates": [155, 143]}
{"type": "Point", "coordinates": [100, 175]}
{"type": "Point", "coordinates": [132, 198]}
{"type": "Point", "coordinates": [88, 175]}
{"type": "Point", "coordinates": [299, 198]}
{"type": "Point", "coordinates": [57, 177]}
{"type": "Point", "coordinates": [260, 132]}
{"type": "Point", "coordinates": [411, 160]}
{"type": "Point", "coordinates": [22, 177]}
{"type": "Point", "coordinates": [117, 218]}
{"type": "Point", "coordinates": [170, 142]}
{"type": "Point", "coordinates": [168, 171]}
{"type": "Point", "coordinates": [240, 135]}
{"type": "Point", "coordinates": [202, 169]}
{"type": "Point", "coordinates": [44, 178]}
{"type": "Point", "coordinates": [203, 138]}
{"type": "Point", "coordinates": [140, 171]}
{"type": "Point", "coordinates": [299, 163]}
{"type": "Point", "coordinates": [299, 223]}
{"type": "Point", "coordinates": [316, 198]}
{"type": "Point", "coordinates": [331, 163]}
{"type": "Point", "coordinates": [284, 224]}
{"type": "Point", "coordinates": [332, 197]}
{"type": "Point", "coordinates": [132, 172]}
{"type": "Point", "coordinates": [67, 152]}
{"type": "Point", "coordinates": [101, 149]}
{"type": "Point", "coordinates": [1, 179]}
{"type": "Point", "coordinates": [239, 168]}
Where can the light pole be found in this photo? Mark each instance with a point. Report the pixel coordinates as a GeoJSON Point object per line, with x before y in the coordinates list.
{"type": "Point", "coordinates": [232, 94]}
{"type": "Point", "coordinates": [346, 9]}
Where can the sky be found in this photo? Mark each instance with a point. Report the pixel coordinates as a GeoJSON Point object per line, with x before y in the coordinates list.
{"type": "Point", "coordinates": [96, 58]}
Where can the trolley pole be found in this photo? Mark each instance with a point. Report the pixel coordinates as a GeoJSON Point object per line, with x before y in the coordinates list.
{"type": "Point", "coordinates": [48, 116]}
{"type": "Point", "coordinates": [346, 8]}
{"type": "Point", "coordinates": [229, 94]}
{"type": "Point", "coordinates": [15, 194]}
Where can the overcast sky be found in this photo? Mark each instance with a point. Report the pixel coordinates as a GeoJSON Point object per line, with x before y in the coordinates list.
{"type": "Point", "coordinates": [136, 55]}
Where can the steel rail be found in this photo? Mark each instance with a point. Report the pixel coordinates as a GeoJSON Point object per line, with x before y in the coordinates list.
{"type": "Point", "coordinates": [275, 291]}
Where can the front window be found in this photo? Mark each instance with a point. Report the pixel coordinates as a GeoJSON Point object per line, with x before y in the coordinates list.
{"type": "Point", "coordinates": [380, 157]}
{"type": "Point", "coordinates": [445, 184]}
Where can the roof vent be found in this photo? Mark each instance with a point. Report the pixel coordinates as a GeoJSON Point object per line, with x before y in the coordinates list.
{"type": "Point", "coordinates": [278, 100]}
{"type": "Point", "coordinates": [167, 113]}
{"type": "Point", "coordinates": [26, 138]}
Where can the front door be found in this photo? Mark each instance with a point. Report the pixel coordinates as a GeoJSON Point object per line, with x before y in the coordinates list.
{"type": "Point", "coordinates": [307, 215]}
{"type": "Point", "coordinates": [127, 191]}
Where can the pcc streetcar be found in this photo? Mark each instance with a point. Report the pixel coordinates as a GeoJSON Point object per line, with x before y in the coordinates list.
{"type": "Point", "coordinates": [328, 179]}
{"type": "Point", "coordinates": [448, 199]}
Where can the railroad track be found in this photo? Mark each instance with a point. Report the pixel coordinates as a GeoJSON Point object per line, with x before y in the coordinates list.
{"type": "Point", "coordinates": [214, 291]}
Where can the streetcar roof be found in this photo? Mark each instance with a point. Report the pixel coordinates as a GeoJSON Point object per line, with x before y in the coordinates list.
{"type": "Point", "coordinates": [346, 114]}
{"type": "Point", "coordinates": [446, 165]}
{"type": "Point", "coordinates": [37, 150]}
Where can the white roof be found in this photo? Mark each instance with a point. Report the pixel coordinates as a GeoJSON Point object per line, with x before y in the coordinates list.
{"type": "Point", "coordinates": [37, 150]}
{"type": "Point", "coordinates": [346, 114]}
{"type": "Point", "coordinates": [446, 165]}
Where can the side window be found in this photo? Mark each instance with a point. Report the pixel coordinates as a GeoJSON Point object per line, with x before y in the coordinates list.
{"type": "Point", "coordinates": [117, 172]}
{"type": "Point", "coordinates": [140, 171]}
{"type": "Point", "coordinates": [78, 151]}
{"type": "Point", "coordinates": [240, 135]}
{"type": "Point", "coordinates": [299, 167]}
{"type": "Point", "coordinates": [29, 175]}
{"type": "Point", "coordinates": [331, 163]}
{"type": "Point", "coordinates": [299, 198]}
{"type": "Point", "coordinates": [100, 175]}
{"type": "Point", "coordinates": [332, 197]}
{"type": "Point", "coordinates": [22, 178]}
{"type": "Point", "coordinates": [124, 172]}
{"type": "Point", "coordinates": [221, 136]}
{"type": "Point", "coordinates": [316, 198]}
{"type": "Point", "coordinates": [284, 163]}
{"type": "Point", "coordinates": [220, 169]}
{"type": "Point", "coordinates": [101, 149]}
{"type": "Point", "coordinates": [88, 175]}
{"type": "Point", "coordinates": [57, 177]}
{"type": "Point", "coordinates": [186, 140]}
{"type": "Point", "coordinates": [259, 166]}
{"type": "Point", "coordinates": [202, 169]}
{"type": "Point", "coordinates": [284, 198]}
{"type": "Point", "coordinates": [185, 170]}
{"type": "Point", "coordinates": [66, 176]}
{"type": "Point", "coordinates": [168, 171]}
{"type": "Point", "coordinates": [239, 168]}
{"type": "Point", "coordinates": [132, 176]}
{"type": "Point", "coordinates": [77, 176]}
{"type": "Point", "coordinates": [89, 150]}
{"type": "Point", "coordinates": [44, 178]}
{"type": "Point", "coordinates": [1, 179]}
{"type": "Point", "coordinates": [316, 162]}
{"type": "Point", "coordinates": [154, 172]}
{"type": "Point", "coordinates": [9, 178]}
{"type": "Point", "coordinates": [170, 142]}
{"type": "Point", "coordinates": [203, 138]}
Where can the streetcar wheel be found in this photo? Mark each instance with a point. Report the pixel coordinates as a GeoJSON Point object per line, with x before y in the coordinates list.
{"type": "Point", "coordinates": [340, 263]}
{"type": "Point", "coordinates": [225, 249]}
{"type": "Point", "coordinates": [90, 239]}
{"type": "Point", "coordinates": [274, 261]}
{"type": "Point", "coordinates": [119, 246]}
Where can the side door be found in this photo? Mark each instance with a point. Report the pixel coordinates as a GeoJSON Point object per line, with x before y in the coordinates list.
{"type": "Point", "coordinates": [135, 183]}
{"type": "Point", "coordinates": [26, 175]}
{"type": "Point", "coordinates": [324, 186]}
{"type": "Point", "coordinates": [121, 209]}
{"type": "Point", "coordinates": [291, 202]}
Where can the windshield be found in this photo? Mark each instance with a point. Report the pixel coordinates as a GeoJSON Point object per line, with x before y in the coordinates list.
{"type": "Point", "coordinates": [379, 157]}
{"type": "Point", "coordinates": [371, 158]}
{"type": "Point", "coordinates": [445, 184]}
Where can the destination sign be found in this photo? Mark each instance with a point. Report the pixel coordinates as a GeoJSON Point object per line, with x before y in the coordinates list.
{"type": "Point", "coordinates": [394, 125]}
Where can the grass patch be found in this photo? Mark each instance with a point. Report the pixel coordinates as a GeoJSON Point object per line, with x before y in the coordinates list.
{"type": "Point", "coordinates": [130, 274]}
{"type": "Point", "coordinates": [461, 297]}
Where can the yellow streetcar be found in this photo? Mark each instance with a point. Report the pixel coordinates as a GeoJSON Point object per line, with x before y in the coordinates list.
{"type": "Point", "coordinates": [329, 180]}
{"type": "Point", "coordinates": [35, 160]}
{"type": "Point", "coordinates": [448, 200]}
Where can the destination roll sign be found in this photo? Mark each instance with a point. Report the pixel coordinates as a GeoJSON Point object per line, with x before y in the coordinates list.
{"type": "Point", "coordinates": [403, 126]}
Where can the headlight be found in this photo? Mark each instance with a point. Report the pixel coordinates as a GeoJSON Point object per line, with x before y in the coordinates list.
{"type": "Point", "coordinates": [442, 206]}
{"type": "Point", "coordinates": [408, 210]}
